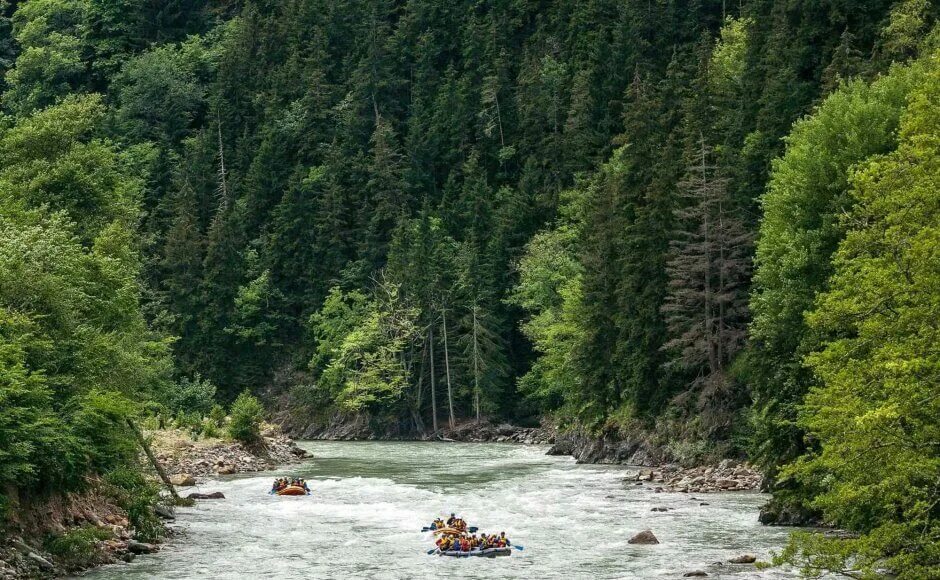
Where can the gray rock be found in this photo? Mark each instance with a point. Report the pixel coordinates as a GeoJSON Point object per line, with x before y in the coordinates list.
{"type": "Point", "coordinates": [164, 511]}
{"type": "Point", "coordinates": [744, 559]}
{"type": "Point", "coordinates": [40, 561]}
{"type": "Point", "coordinates": [213, 495]}
{"type": "Point", "coordinates": [778, 513]}
{"type": "Point", "coordinates": [183, 479]}
{"type": "Point", "coordinates": [136, 547]}
{"type": "Point", "coordinates": [646, 537]}
{"type": "Point", "coordinates": [22, 546]}
{"type": "Point", "coordinates": [694, 574]}
{"type": "Point", "coordinates": [660, 509]}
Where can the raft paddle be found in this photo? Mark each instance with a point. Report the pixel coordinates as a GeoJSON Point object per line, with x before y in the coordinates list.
{"type": "Point", "coordinates": [431, 551]}
{"type": "Point", "coordinates": [471, 529]}
{"type": "Point", "coordinates": [518, 547]}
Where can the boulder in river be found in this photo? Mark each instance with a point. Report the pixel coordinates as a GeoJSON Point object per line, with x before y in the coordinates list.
{"type": "Point", "coordinates": [183, 479]}
{"type": "Point", "coordinates": [136, 547]}
{"type": "Point", "coordinates": [646, 537]}
{"type": "Point", "coordinates": [213, 495]}
{"type": "Point", "coordinates": [226, 470]}
{"type": "Point", "coordinates": [694, 574]}
{"type": "Point", "coordinates": [660, 509]}
{"type": "Point", "coordinates": [164, 511]}
{"type": "Point", "coordinates": [744, 559]}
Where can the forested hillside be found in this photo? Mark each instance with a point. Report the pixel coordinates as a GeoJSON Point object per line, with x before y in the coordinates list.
{"type": "Point", "coordinates": [714, 222]}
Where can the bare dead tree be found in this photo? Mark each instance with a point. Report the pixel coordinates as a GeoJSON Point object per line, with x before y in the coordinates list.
{"type": "Point", "coordinates": [708, 268]}
{"type": "Point", "coordinates": [450, 393]}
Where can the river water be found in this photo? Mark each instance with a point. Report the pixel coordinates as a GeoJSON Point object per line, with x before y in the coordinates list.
{"type": "Point", "coordinates": [370, 500]}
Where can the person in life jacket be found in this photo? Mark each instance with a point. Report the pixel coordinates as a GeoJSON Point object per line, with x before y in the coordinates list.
{"type": "Point", "coordinates": [503, 540]}
{"type": "Point", "coordinates": [451, 520]}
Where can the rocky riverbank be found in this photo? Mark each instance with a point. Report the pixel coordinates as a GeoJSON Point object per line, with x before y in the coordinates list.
{"type": "Point", "coordinates": [68, 533]}
{"type": "Point", "coordinates": [473, 432]}
{"type": "Point", "coordinates": [728, 475]}
{"type": "Point", "coordinates": [186, 460]}
{"type": "Point", "coordinates": [361, 428]}
{"type": "Point", "coordinates": [608, 450]}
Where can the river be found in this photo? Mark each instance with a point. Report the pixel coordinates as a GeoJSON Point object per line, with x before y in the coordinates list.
{"type": "Point", "coordinates": [370, 500]}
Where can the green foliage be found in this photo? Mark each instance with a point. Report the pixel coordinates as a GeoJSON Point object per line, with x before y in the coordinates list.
{"type": "Point", "coordinates": [799, 232]}
{"type": "Point", "coordinates": [246, 417]}
{"type": "Point", "coordinates": [728, 58]}
{"type": "Point", "coordinates": [29, 427]}
{"type": "Point", "coordinates": [209, 428]}
{"type": "Point", "coordinates": [217, 415]}
{"type": "Point", "coordinates": [160, 93]}
{"type": "Point", "coordinates": [407, 222]}
{"type": "Point", "coordinates": [76, 356]}
{"type": "Point", "coordinates": [76, 548]}
{"type": "Point", "coordinates": [136, 495]}
{"type": "Point", "coordinates": [549, 290]}
{"type": "Point", "coordinates": [907, 30]}
{"type": "Point", "coordinates": [874, 409]}
{"type": "Point", "coordinates": [366, 366]}
{"type": "Point", "coordinates": [50, 62]}
{"type": "Point", "coordinates": [188, 421]}
{"type": "Point", "coordinates": [196, 395]}
{"type": "Point", "coordinates": [340, 315]}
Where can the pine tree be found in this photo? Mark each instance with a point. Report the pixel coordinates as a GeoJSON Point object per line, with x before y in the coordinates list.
{"type": "Point", "coordinates": [708, 268]}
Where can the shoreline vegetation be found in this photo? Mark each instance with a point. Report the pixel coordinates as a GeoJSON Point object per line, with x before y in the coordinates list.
{"type": "Point", "coordinates": [683, 232]}
{"type": "Point", "coordinates": [658, 464]}
{"type": "Point", "coordinates": [91, 528]}
{"type": "Point", "coordinates": [71, 532]}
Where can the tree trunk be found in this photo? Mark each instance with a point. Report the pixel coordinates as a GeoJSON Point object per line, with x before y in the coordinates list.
{"type": "Point", "coordinates": [450, 394]}
{"type": "Point", "coordinates": [476, 367]}
{"type": "Point", "coordinates": [223, 186]}
{"type": "Point", "coordinates": [709, 318]}
{"type": "Point", "coordinates": [721, 287]}
{"type": "Point", "coordinates": [419, 391]}
{"type": "Point", "coordinates": [153, 460]}
{"type": "Point", "coordinates": [433, 390]}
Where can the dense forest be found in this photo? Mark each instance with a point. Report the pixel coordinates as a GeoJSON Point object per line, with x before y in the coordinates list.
{"type": "Point", "coordinates": [716, 223]}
